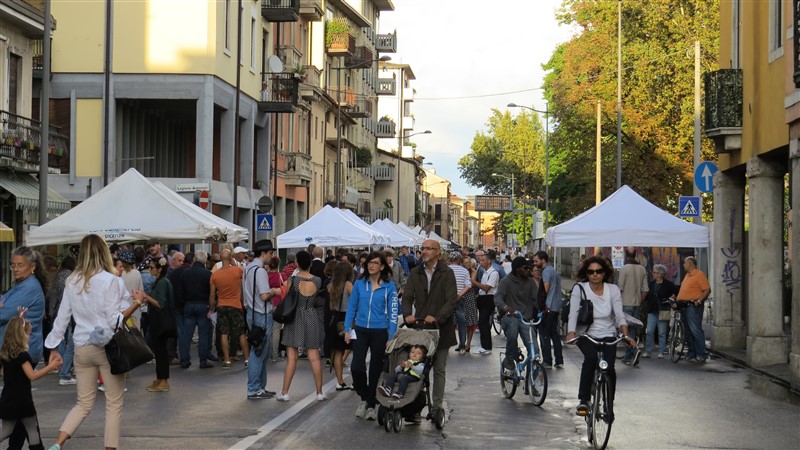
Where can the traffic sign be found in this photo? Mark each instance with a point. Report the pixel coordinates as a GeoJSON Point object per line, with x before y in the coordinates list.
{"type": "Point", "coordinates": [264, 222]}
{"type": "Point", "coordinates": [704, 176]}
{"type": "Point", "coordinates": [689, 206]}
{"type": "Point", "coordinates": [264, 204]}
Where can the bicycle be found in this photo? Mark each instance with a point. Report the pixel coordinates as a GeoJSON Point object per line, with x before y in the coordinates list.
{"type": "Point", "coordinates": [534, 376]}
{"type": "Point", "coordinates": [677, 333]}
{"type": "Point", "coordinates": [495, 320]}
{"type": "Point", "coordinates": [601, 405]}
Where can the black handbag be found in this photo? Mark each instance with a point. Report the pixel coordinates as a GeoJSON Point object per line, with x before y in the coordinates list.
{"type": "Point", "coordinates": [127, 350]}
{"type": "Point", "coordinates": [586, 309]}
{"type": "Point", "coordinates": [284, 312]}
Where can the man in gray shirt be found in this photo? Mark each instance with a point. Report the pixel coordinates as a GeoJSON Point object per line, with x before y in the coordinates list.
{"type": "Point", "coordinates": [549, 328]}
{"type": "Point", "coordinates": [516, 293]}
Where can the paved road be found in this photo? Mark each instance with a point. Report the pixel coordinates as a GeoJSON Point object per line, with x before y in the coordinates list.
{"type": "Point", "coordinates": [659, 405]}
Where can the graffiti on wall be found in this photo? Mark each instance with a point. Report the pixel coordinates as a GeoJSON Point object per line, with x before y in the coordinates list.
{"type": "Point", "coordinates": [731, 275]}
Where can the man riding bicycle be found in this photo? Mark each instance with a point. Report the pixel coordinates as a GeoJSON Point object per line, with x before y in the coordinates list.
{"type": "Point", "coordinates": [516, 293]}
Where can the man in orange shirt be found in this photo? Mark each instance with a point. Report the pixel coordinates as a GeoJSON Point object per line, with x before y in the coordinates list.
{"type": "Point", "coordinates": [226, 300]}
{"type": "Point", "coordinates": [695, 289]}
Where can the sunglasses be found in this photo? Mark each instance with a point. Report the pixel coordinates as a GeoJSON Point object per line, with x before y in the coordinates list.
{"type": "Point", "coordinates": [595, 272]}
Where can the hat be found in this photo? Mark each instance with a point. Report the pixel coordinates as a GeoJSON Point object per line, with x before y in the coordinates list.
{"type": "Point", "coordinates": [518, 262]}
{"type": "Point", "coordinates": [126, 256]}
{"type": "Point", "coordinates": [240, 250]}
{"type": "Point", "coordinates": [264, 245]}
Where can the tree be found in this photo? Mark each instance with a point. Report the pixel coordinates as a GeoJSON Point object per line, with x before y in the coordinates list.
{"type": "Point", "coordinates": [658, 98]}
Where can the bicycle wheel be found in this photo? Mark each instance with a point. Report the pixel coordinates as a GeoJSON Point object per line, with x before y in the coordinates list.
{"type": "Point", "coordinates": [601, 415]}
{"type": "Point", "coordinates": [496, 324]}
{"type": "Point", "coordinates": [676, 342]}
{"type": "Point", "coordinates": [537, 383]}
{"type": "Point", "coordinates": [508, 383]}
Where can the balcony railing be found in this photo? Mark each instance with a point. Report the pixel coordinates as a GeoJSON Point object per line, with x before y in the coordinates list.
{"type": "Point", "coordinates": [280, 10]}
{"type": "Point", "coordinates": [21, 139]}
{"type": "Point", "coordinates": [338, 38]}
{"type": "Point", "coordinates": [386, 43]}
{"type": "Point", "coordinates": [310, 88]}
{"type": "Point", "coordinates": [386, 86]}
{"type": "Point", "coordinates": [384, 129]}
{"type": "Point", "coordinates": [311, 9]}
{"type": "Point", "coordinates": [724, 106]}
{"type": "Point", "coordinates": [361, 108]}
{"type": "Point", "coordinates": [345, 95]}
{"type": "Point", "coordinates": [37, 51]}
{"type": "Point", "coordinates": [291, 57]}
{"type": "Point", "coordinates": [360, 59]}
{"type": "Point", "coordinates": [279, 92]}
{"type": "Point", "coordinates": [384, 173]}
{"type": "Point", "coordinates": [383, 213]}
{"type": "Point", "coordinates": [298, 169]}
{"type": "Point", "coordinates": [360, 178]}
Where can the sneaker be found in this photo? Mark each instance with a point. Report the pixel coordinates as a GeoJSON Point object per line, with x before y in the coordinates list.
{"type": "Point", "coordinates": [478, 351]}
{"type": "Point", "coordinates": [384, 391]}
{"type": "Point", "coordinates": [54, 447]}
{"type": "Point", "coordinates": [415, 419]}
{"type": "Point", "coordinates": [268, 392]}
{"type": "Point", "coordinates": [206, 365]}
{"type": "Point", "coordinates": [361, 411]}
{"type": "Point", "coordinates": [485, 352]}
{"type": "Point", "coordinates": [646, 355]}
{"type": "Point", "coordinates": [174, 362]}
{"type": "Point", "coordinates": [661, 355]}
{"type": "Point", "coordinates": [397, 395]}
{"type": "Point", "coordinates": [284, 397]}
{"type": "Point", "coordinates": [343, 387]}
{"type": "Point", "coordinates": [370, 414]}
{"type": "Point", "coordinates": [627, 362]}
{"type": "Point", "coordinates": [260, 395]}
{"type": "Point", "coordinates": [67, 382]}
{"type": "Point", "coordinates": [548, 365]}
{"type": "Point", "coordinates": [559, 366]}
{"type": "Point", "coordinates": [636, 357]}
{"type": "Point", "coordinates": [226, 365]}
{"type": "Point", "coordinates": [320, 398]}
{"type": "Point", "coordinates": [462, 352]}
{"type": "Point", "coordinates": [101, 388]}
{"type": "Point", "coordinates": [245, 363]}
{"type": "Point", "coordinates": [582, 409]}
{"type": "Point", "coordinates": [508, 364]}
{"type": "Point", "coordinates": [697, 360]}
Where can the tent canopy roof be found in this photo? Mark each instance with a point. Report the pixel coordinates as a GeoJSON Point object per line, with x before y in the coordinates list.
{"type": "Point", "coordinates": [330, 227]}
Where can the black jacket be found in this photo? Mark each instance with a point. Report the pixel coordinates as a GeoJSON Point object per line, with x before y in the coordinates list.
{"type": "Point", "coordinates": [194, 285]}
{"type": "Point", "coordinates": [439, 302]}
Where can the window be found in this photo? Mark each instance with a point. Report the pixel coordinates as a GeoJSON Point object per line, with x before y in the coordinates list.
{"type": "Point", "coordinates": [775, 29]}
{"type": "Point", "coordinates": [253, 46]}
{"type": "Point", "coordinates": [227, 24]}
{"type": "Point", "coordinates": [736, 33]}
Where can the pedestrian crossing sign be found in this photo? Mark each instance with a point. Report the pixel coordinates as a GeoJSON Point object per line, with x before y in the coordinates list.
{"type": "Point", "coordinates": [689, 206]}
{"type": "Point", "coordinates": [264, 222]}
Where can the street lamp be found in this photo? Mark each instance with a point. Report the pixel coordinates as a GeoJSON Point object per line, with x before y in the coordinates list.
{"type": "Point", "coordinates": [337, 176]}
{"type": "Point", "coordinates": [399, 152]}
{"type": "Point", "coordinates": [546, 113]}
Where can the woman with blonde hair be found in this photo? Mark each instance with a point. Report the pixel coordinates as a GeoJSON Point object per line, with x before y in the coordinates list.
{"type": "Point", "coordinates": [97, 300]}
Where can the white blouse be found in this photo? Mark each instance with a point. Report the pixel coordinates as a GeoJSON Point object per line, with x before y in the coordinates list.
{"type": "Point", "coordinates": [608, 315]}
{"type": "Point", "coordinates": [101, 304]}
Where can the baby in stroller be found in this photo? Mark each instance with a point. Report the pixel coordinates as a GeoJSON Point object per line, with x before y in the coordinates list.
{"type": "Point", "coordinates": [408, 371]}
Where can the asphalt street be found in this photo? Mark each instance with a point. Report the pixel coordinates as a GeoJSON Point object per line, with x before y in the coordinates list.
{"type": "Point", "coordinates": [659, 405]}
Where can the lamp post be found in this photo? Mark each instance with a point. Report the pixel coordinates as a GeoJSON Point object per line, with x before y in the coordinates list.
{"type": "Point", "coordinates": [337, 176]}
{"type": "Point", "coordinates": [399, 154]}
{"type": "Point", "coordinates": [546, 113]}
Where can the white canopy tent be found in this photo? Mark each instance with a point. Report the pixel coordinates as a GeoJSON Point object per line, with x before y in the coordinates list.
{"type": "Point", "coordinates": [396, 237]}
{"type": "Point", "coordinates": [330, 227]}
{"type": "Point", "coordinates": [442, 241]}
{"type": "Point", "coordinates": [131, 208]}
{"type": "Point", "coordinates": [403, 228]}
{"type": "Point", "coordinates": [626, 219]}
{"type": "Point", "coordinates": [354, 219]}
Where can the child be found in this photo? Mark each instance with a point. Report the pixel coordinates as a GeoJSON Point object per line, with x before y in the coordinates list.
{"type": "Point", "coordinates": [16, 401]}
{"type": "Point", "coordinates": [406, 372]}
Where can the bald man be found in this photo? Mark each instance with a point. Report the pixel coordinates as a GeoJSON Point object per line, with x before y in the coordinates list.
{"type": "Point", "coordinates": [431, 291]}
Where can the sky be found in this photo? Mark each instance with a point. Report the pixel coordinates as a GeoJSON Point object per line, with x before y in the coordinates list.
{"type": "Point", "coordinates": [470, 48]}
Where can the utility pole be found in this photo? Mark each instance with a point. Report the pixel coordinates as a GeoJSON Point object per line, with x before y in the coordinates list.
{"type": "Point", "coordinates": [597, 183]}
{"type": "Point", "coordinates": [44, 115]}
{"type": "Point", "coordinates": [619, 94]}
{"type": "Point", "coordinates": [696, 190]}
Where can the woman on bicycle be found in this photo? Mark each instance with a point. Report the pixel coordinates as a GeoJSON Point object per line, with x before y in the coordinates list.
{"type": "Point", "coordinates": [595, 275]}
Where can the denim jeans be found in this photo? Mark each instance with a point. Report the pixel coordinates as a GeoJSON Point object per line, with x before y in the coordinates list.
{"type": "Point", "coordinates": [461, 323]}
{"type": "Point", "coordinates": [257, 365]}
{"type": "Point", "coordinates": [633, 331]}
{"type": "Point", "coordinates": [548, 331]}
{"type": "Point", "coordinates": [195, 315]}
{"type": "Point", "coordinates": [172, 344]}
{"type": "Point", "coordinates": [67, 350]}
{"type": "Point", "coordinates": [652, 322]}
{"type": "Point", "coordinates": [695, 337]}
{"type": "Point", "coordinates": [514, 327]}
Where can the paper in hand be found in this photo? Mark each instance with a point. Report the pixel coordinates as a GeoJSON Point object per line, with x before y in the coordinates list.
{"type": "Point", "coordinates": [352, 334]}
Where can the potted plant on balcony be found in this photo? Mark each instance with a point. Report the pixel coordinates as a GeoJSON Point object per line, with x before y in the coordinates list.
{"type": "Point", "coordinates": [334, 29]}
{"type": "Point", "coordinates": [363, 157]}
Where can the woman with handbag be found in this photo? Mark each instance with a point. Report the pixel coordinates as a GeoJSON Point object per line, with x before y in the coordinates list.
{"type": "Point", "coordinates": [98, 302]}
{"type": "Point", "coordinates": [661, 291]}
{"type": "Point", "coordinates": [339, 289]}
{"type": "Point", "coordinates": [606, 300]}
{"type": "Point", "coordinates": [162, 320]}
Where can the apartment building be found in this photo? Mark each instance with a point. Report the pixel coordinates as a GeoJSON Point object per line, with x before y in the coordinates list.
{"type": "Point", "coordinates": [753, 115]}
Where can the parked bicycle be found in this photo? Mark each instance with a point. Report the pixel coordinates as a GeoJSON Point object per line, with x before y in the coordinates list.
{"type": "Point", "coordinates": [677, 333]}
{"type": "Point", "coordinates": [601, 404]}
{"type": "Point", "coordinates": [530, 369]}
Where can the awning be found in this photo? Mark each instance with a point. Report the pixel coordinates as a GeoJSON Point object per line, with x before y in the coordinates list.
{"type": "Point", "coordinates": [26, 190]}
{"type": "Point", "coordinates": [6, 233]}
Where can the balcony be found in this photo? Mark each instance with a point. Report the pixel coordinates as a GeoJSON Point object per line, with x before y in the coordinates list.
{"type": "Point", "coordinates": [298, 169]}
{"type": "Point", "coordinates": [20, 144]}
{"type": "Point", "coordinates": [384, 173]}
{"type": "Point", "coordinates": [310, 89]}
{"type": "Point", "coordinates": [360, 59]}
{"type": "Point", "coordinates": [37, 51]}
{"type": "Point", "coordinates": [724, 109]}
{"type": "Point", "coordinates": [279, 92]}
{"type": "Point", "coordinates": [361, 108]}
{"type": "Point", "coordinates": [383, 213]}
{"type": "Point", "coordinates": [338, 39]}
{"type": "Point", "coordinates": [291, 57]}
{"type": "Point", "coordinates": [345, 95]}
{"type": "Point", "coordinates": [384, 129]}
{"type": "Point", "coordinates": [360, 178]}
{"type": "Point", "coordinates": [386, 43]}
{"type": "Point", "coordinates": [280, 10]}
{"type": "Point", "coordinates": [386, 86]}
{"type": "Point", "coordinates": [311, 10]}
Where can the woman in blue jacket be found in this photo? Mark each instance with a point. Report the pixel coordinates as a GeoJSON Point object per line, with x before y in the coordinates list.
{"type": "Point", "coordinates": [372, 313]}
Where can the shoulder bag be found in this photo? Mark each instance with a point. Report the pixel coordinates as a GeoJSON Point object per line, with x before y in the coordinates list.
{"type": "Point", "coordinates": [255, 333]}
{"type": "Point", "coordinates": [127, 350]}
{"type": "Point", "coordinates": [586, 308]}
{"type": "Point", "coordinates": [284, 312]}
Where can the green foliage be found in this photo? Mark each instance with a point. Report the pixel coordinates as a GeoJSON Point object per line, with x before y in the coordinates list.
{"type": "Point", "coordinates": [363, 157]}
{"type": "Point", "coordinates": [658, 99]}
{"type": "Point", "coordinates": [333, 28]}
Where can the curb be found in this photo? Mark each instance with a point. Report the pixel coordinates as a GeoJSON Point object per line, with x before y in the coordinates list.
{"type": "Point", "coordinates": [778, 380]}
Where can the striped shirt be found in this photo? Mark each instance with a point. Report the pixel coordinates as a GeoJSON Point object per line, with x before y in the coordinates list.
{"type": "Point", "coordinates": [462, 277]}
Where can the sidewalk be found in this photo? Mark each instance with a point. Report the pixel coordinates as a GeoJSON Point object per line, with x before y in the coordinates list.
{"type": "Point", "coordinates": [779, 373]}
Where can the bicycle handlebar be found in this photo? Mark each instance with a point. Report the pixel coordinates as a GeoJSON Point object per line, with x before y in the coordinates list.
{"type": "Point", "coordinates": [619, 338]}
{"type": "Point", "coordinates": [519, 316]}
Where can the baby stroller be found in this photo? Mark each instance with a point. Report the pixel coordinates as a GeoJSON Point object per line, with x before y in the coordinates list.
{"type": "Point", "coordinates": [392, 411]}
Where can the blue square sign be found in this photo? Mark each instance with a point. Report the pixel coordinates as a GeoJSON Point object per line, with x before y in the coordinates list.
{"type": "Point", "coordinates": [689, 206]}
{"type": "Point", "coordinates": [264, 222]}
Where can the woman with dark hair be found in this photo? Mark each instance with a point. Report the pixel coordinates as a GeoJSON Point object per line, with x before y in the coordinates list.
{"type": "Point", "coordinates": [66, 347]}
{"type": "Point", "coordinates": [162, 297]}
{"type": "Point", "coordinates": [339, 289]}
{"type": "Point", "coordinates": [595, 279]}
{"type": "Point", "coordinates": [372, 307]}
{"type": "Point", "coordinates": [307, 330]}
